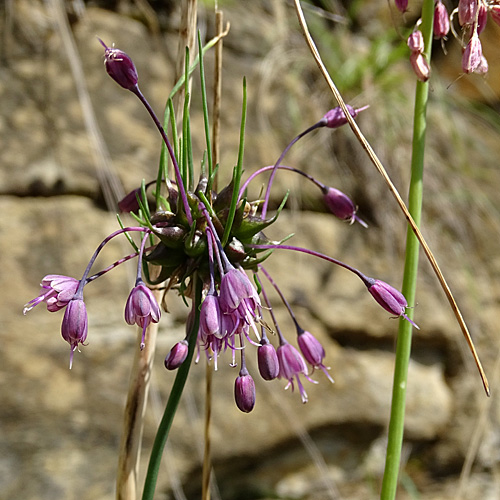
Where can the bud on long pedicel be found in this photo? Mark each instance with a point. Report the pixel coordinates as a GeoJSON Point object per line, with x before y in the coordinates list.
{"type": "Point", "coordinates": [389, 298]}
{"type": "Point", "coordinates": [402, 5]}
{"type": "Point", "coordinates": [120, 67]}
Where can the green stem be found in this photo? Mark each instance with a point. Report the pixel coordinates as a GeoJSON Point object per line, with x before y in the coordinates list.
{"type": "Point", "coordinates": [403, 348]}
{"type": "Point", "coordinates": [172, 403]}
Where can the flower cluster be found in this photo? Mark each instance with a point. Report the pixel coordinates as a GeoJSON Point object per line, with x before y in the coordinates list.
{"type": "Point", "coordinates": [472, 16]}
{"type": "Point", "coordinates": [204, 243]}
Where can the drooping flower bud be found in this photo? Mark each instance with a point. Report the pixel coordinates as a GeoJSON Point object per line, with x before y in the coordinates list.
{"type": "Point", "coordinates": [402, 5]}
{"type": "Point", "coordinates": [471, 58]}
{"type": "Point", "coordinates": [441, 20]}
{"type": "Point", "coordinates": [389, 298]}
{"type": "Point", "coordinates": [74, 326]}
{"type": "Point", "coordinates": [482, 17]}
{"type": "Point", "coordinates": [341, 205]}
{"type": "Point", "coordinates": [420, 66]}
{"type": "Point", "coordinates": [142, 308]}
{"type": "Point", "coordinates": [210, 317]}
{"type": "Point", "coordinates": [177, 355]}
{"type": "Point", "coordinates": [313, 351]}
{"type": "Point", "coordinates": [415, 42]}
{"type": "Point", "coordinates": [467, 12]}
{"type": "Point", "coordinates": [120, 67]}
{"type": "Point", "coordinates": [336, 116]}
{"type": "Point", "coordinates": [267, 360]}
{"type": "Point", "coordinates": [244, 391]}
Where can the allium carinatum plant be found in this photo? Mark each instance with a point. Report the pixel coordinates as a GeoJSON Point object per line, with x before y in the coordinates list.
{"type": "Point", "coordinates": [209, 245]}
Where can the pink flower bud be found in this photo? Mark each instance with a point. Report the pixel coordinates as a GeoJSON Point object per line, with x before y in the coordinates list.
{"type": "Point", "coordinates": [268, 361]}
{"type": "Point", "coordinates": [482, 18]}
{"type": "Point", "coordinates": [244, 391]}
{"type": "Point", "coordinates": [389, 298]}
{"type": "Point", "coordinates": [467, 12]}
{"type": "Point", "coordinates": [471, 57]}
{"type": "Point", "coordinates": [441, 20]}
{"type": "Point", "coordinates": [120, 67]}
{"type": "Point", "coordinates": [177, 355]}
{"type": "Point", "coordinates": [402, 5]}
{"type": "Point", "coordinates": [420, 66]}
{"type": "Point", "coordinates": [75, 325]}
{"type": "Point", "coordinates": [416, 42]}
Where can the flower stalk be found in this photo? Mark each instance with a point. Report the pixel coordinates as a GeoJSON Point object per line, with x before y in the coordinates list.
{"type": "Point", "coordinates": [403, 346]}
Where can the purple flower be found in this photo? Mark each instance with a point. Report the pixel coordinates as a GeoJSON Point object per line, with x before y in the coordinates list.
{"type": "Point", "coordinates": [471, 58]}
{"type": "Point", "coordinates": [210, 317]}
{"type": "Point", "coordinates": [244, 391]}
{"type": "Point", "coordinates": [129, 203]}
{"type": "Point", "coordinates": [441, 20]}
{"type": "Point", "coordinates": [341, 205]}
{"type": "Point", "coordinates": [236, 288]}
{"type": "Point", "coordinates": [267, 360]}
{"type": "Point", "coordinates": [389, 298]}
{"type": "Point", "coordinates": [336, 117]}
{"type": "Point", "coordinates": [177, 355]}
{"type": "Point", "coordinates": [57, 291]}
{"type": "Point", "coordinates": [120, 67]}
{"type": "Point", "coordinates": [402, 5]}
{"type": "Point", "coordinates": [292, 365]}
{"type": "Point", "coordinates": [142, 308]}
{"type": "Point", "coordinates": [313, 351]}
{"type": "Point", "coordinates": [467, 11]}
{"type": "Point", "coordinates": [75, 325]}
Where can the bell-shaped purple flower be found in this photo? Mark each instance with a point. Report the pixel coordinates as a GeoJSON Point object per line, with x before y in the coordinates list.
{"type": "Point", "coordinates": [129, 203]}
{"type": "Point", "coordinates": [292, 365]}
{"type": "Point", "coordinates": [235, 288]}
{"type": "Point", "coordinates": [120, 67]}
{"type": "Point", "coordinates": [244, 391]}
{"type": "Point", "coordinates": [57, 291]}
{"type": "Point", "coordinates": [210, 317]}
{"type": "Point", "coordinates": [267, 359]}
{"type": "Point", "coordinates": [313, 351]}
{"type": "Point", "coordinates": [142, 308]}
{"type": "Point", "coordinates": [389, 298]}
{"type": "Point", "coordinates": [75, 325]}
{"type": "Point", "coordinates": [341, 205]}
{"type": "Point", "coordinates": [177, 355]}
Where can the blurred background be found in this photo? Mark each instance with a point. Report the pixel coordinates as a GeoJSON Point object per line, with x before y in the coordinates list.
{"type": "Point", "coordinates": [73, 141]}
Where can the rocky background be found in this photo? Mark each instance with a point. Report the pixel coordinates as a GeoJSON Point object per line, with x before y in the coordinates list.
{"type": "Point", "coordinates": [60, 429]}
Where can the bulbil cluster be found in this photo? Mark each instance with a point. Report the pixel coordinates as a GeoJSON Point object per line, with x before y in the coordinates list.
{"type": "Point", "coordinates": [213, 242]}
